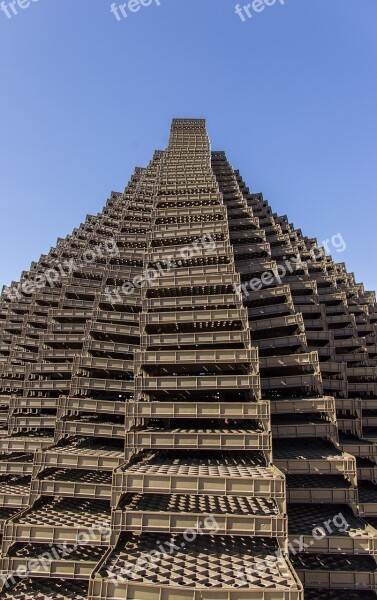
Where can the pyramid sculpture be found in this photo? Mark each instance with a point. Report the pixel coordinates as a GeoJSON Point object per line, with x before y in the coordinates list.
{"type": "Point", "coordinates": [188, 402]}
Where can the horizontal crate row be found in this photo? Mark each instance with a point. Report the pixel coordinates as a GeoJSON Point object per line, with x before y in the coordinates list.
{"type": "Point", "coordinates": [238, 438]}
{"type": "Point", "coordinates": [191, 409]}
{"type": "Point", "coordinates": [171, 472]}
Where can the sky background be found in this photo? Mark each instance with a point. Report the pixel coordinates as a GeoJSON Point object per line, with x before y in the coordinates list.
{"type": "Point", "coordinates": [290, 95]}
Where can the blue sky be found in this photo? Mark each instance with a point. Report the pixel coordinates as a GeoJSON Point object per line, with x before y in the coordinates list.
{"type": "Point", "coordinates": [290, 94]}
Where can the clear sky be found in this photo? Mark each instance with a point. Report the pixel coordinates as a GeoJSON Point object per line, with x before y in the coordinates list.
{"type": "Point", "coordinates": [290, 94]}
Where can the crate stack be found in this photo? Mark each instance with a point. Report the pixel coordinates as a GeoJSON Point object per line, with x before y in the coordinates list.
{"type": "Point", "coordinates": [305, 372]}
{"type": "Point", "coordinates": [200, 489]}
{"type": "Point", "coordinates": [181, 418]}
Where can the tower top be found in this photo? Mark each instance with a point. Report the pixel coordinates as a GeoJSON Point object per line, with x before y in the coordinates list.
{"type": "Point", "coordinates": [188, 124]}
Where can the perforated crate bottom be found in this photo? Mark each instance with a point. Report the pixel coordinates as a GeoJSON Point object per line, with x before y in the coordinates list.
{"type": "Point", "coordinates": [67, 512]}
{"type": "Point", "coordinates": [352, 440]}
{"type": "Point", "coordinates": [304, 518]}
{"type": "Point", "coordinates": [46, 589]}
{"type": "Point", "coordinates": [334, 562]}
{"type": "Point", "coordinates": [365, 463]}
{"type": "Point", "coordinates": [318, 481]}
{"type": "Point", "coordinates": [309, 448]}
{"type": "Point", "coordinates": [205, 562]}
{"type": "Point", "coordinates": [219, 464]}
{"type": "Point", "coordinates": [16, 457]}
{"type": "Point", "coordinates": [7, 512]}
{"type": "Point", "coordinates": [185, 503]}
{"type": "Point", "coordinates": [88, 447]}
{"type": "Point", "coordinates": [77, 475]}
{"type": "Point", "coordinates": [57, 552]}
{"type": "Point", "coordinates": [367, 492]}
{"type": "Point", "coordinates": [14, 484]}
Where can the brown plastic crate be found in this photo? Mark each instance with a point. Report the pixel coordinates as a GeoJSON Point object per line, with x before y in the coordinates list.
{"type": "Point", "coordinates": [59, 521]}
{"type": "Point", "coordinates": [207, 382]}
{"type": "Point", "coordinates": [207, 437]}
{"type": "Point", "coordinates": [80, 453]}
{"type": "Point", "coordinates": [336, 571]}
{"type": "Point", "coordinates": [14, 490]}
{"type": "Point", "coordinates": [274, 345]}
{"type": "Point", "coordinates": [329, 489]}
{"type": "Point", "coordinates": [259, 411]}
{"type": "Point", "coordinates": [173, 281]}
{"type": "Point", "coordinates": [233, 315]}
{"type": "Point", "coordinates": [367, 498]}
{"type": "Point", "coordinates": [89, 426]}
{"type": "Point", "coordinates": [176, 513]}
{"type": "Point", "coordinates": [176, 302]}
{"type": "Point", "coordinates": [358, 538]}
{"type": "Point", "coordinates": [226, 473]}
{"type": "Point", "coordinates": [324, 404]}
{"type": "Point", "coordinates": [67, 562]}
{"type": "Point", "coordinates": [229, 578]}
{"type": "Point", "coordinates": [361, 448]}
{"type": "Point", "coordinates": [313, 456]}
{"type": "Point", "coordinates": [72, 483]}
{"type": "Point", "coordinates": [191, 339]}
{"type": "Point", "coordinates": [225, 356]}
{"type": "Point", "coordinates": [303, 425]}
{"type": "Point", "coordinates": [81, 384]}
{"type": "Point", "coordinates": [29, 442]}
{"type": "Point", "coordinates": [16, 463]}
{"type": "Point", "coordinates": [67, 405]}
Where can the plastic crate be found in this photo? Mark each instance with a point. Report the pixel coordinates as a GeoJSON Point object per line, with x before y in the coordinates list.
{"type": "Point", "coordinates": [336, 571]}
{"type": "Point", "coordinates": [258, 411]}
{"type": "Point", "coordinates": [67, 562]}
{"type": "Point", "coordinates": [325, 489]}
{"type": "Point", "coordinates": [80, 453]}
{"type": "Point", "coordinates": [355, 537]}
{"type": "Point", "coordinates": [242, 438]}
{"type": "Point", "coordinates": [59, 521]}
{"type": "Point", "coordinates": [313, 456]}
{"type": "Point", "coordinates": [72, 483]}
{"type": "Point", "coordinates": [219, 574]}
{"type": "Point", "coordinates": [177, 472]}
{"type": "Point", "coordinates": [176, 513]}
